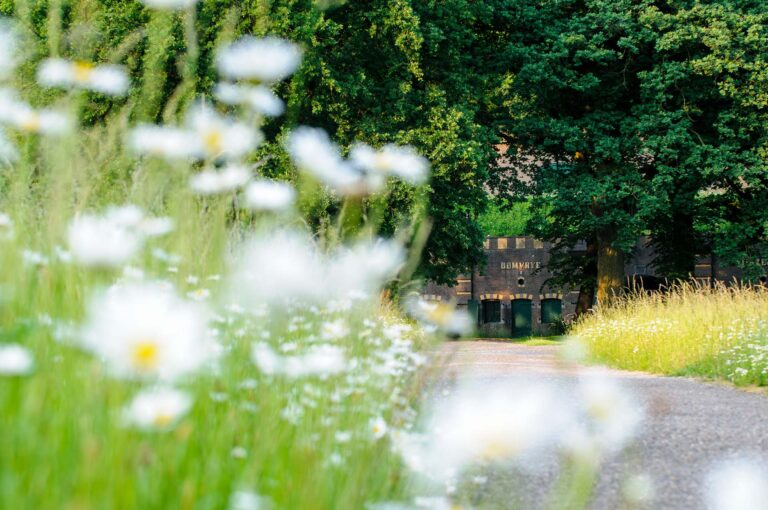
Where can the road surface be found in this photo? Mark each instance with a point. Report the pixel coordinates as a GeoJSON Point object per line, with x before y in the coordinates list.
{"type": "Point", "coordinates": [689, 425]}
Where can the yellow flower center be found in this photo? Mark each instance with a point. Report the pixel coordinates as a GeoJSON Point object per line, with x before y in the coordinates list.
{"type": "Point", "coordinates": [145, 354]}
{"type": "Point", "coordinates": [82, 70]}
{"type": "Point", "coordinates": [440, 314]}
{"type": "Point", "coordinates": [162, 420]}
{"type": "Point", "coordinates": [31, 123]}
{"type": "Point", "coordinates": [212, 141]}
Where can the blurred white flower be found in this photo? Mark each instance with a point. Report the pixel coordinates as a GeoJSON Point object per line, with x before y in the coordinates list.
{"type": "Point", "coordinates": [18, 114]}
{"type": "Point", "coordinates": [6, 226]}
{"type": "Point", "coordinates": [737, 485]}
{"type": "Point", "coordinates": [403, 162]}
{"type": "Point", "coordinates": [108, 79]}
{"type": "Point", "coordinates": [15, 360]}
{"type": "Point", "coordinates": [312, 151]}
{"type": "Point", "coordinates": [268, 195]}
{"type": "Point", "coordinates": [320, 360]}
{"type": "Point", "coordinates": [98, 241]}
{"type": "Point", "coordinates": [334, 330]}
{"type": "Point", "coordinates": [480, 424]}
{"type": "Point", "coordinates": [146, 330]}
{"type": "Point", "coordinates": [9, 46]}
{"type": "Point", "coordinates": [268, 60]}
{"type": "Point", "coordinates": [286, 266]}
{"type": "Point", "coordinates": [218, 136]}
{"type": "Point", "coordinates": [8, 152]}
{"type": "Point", "coordinates": [258, 98]}
{"type": "Point", "coordinates": [163, 141]}
{"type": "Point", "coordinates": [211, 181]}
{"type": "Point", "coordinates": [614, 414]}
{"type": "Point", "coordinates": [638, 489]}
{"type": "Point", "coordinates": [113, 238]}
{"type": "Point", "coordinates": [157, 408]}
{"type": "Point", "coordinates": [442, 316]}
{"type": "Point", "coordinates": [378, 427]}
{"type": "Point", "coordinates": [169, 4]}
{"type": "Point", "coordinates": [248, 500]}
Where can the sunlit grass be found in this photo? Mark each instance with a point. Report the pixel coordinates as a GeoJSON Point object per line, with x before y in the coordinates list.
{"type": "Point", "coordinates": [688, 329]}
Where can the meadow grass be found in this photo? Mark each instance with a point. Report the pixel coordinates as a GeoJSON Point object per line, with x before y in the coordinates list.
{"type": "Point", "coordinates": [688, 329]}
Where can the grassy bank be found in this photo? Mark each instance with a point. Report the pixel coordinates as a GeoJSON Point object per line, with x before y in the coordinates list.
{"type": "Point", "coordinates": [719, 333]}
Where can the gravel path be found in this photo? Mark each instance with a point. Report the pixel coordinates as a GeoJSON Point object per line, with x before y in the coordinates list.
{"type": "Point", "coordinates": [689, 425]}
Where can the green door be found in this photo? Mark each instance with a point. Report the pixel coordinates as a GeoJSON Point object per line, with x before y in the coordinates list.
{"type": "Point", "coordinates": [521, 317]}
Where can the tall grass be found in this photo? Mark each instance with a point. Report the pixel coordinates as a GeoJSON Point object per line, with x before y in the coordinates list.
{"type": "Point", "coordinates": [688, 328]}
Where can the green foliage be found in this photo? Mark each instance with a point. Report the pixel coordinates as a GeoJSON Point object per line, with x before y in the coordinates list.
{"type": "Point", "coordinates": [505, 220]}
{"type": "Point", "coordinates": [637, 117]}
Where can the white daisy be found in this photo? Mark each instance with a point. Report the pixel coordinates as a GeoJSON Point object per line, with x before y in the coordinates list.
{"type": "Point", "coordinates": [100, 242]}
{"type": "Point", "coordinates": [108, 79]}
{"type": "Point", "coordinates": [268, 60]}
{"type": "Point", "coordinates": [442, 316]}
{"type": "Point", "coordinates": [146, 330]}
{"type": "Point", "coordinates": [268, 195]}
{"type": "Point", "coordinates": [20, 115]}
{"type": "Point", "coordinates": [163, 141]}
{"type": "Point", "coordinates": [211, 181]}
{"type": "Point", "coordinates": [157, 408]}
{"type": "Point", "coordinates": [378, 427]}
{"type": "Point", "coordinates": [218, 136]}
{"type": "Point", "coordinates": [15, 360]}
{"type": "Point", "coordinates": [9, 46]}
{"type": "Point", "coordinates": [258, 98]}
{"type": "Point", "coordinates": [312, 151]}
{"type": "Point", "coordinates": [614, 414]}
{"type": "Point", "coordinates": [404, 162]}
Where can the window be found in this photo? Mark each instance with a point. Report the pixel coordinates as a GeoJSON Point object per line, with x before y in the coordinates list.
{"type": "Point", "coordinates": [521, 282]}
{"type": "Point", "coordinates": [491, 310]}
{"type": "Point", "coordinates": [551, 311]}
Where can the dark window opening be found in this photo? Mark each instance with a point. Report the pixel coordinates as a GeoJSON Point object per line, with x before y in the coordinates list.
{"type": "Point", "coordinates": [551, 311]}
{"type": "Point", "coordinates": [491, 310]}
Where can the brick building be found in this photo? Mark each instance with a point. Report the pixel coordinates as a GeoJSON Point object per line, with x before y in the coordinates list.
{"type": "Point", "coordinates": [513, 297]}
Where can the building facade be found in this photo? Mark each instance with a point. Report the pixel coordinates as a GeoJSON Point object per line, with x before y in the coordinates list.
{"type": "Point", "coordinates": [513, 297]}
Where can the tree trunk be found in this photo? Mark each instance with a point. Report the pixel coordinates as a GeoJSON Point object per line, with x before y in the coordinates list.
{"type": "Point", "coordinates": [610, 268]}
{"type": "Point", "coordinates": [587, 288]}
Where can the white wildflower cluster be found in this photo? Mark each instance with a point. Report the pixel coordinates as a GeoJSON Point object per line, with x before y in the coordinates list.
{"type": "Point", "coordinates": [111, 239]}
{"type": "Point", "coordinates": [746, 361]}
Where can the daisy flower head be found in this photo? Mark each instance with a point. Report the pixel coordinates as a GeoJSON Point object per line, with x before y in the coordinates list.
{"type": "Point", "coordinates": [15, 360]}
{"type": "Point", "coordinates": [110, 80]}
{"type": "Point", "coordinates": [312, 151]}
{"type": "Point", "coordinates": [259, 99]}
{"type": "Point", "coordinates": [612, 411]}
{"type": "Point", "coordinates": [9, 46]}
{"type": "Point", "coordinates": [167, 142]}
{"type": "Point", "coordinates": [402, 162]}
{"type": "Point", "coordinates": [22, 116]}
{"type": "Point", "coordinates": [157, 408]}
{"type": "Point", "coordinates": [145, 330]}
{"type": "Point", "coordinates": [280, 267]}
{"type": "Point", "coordinates": [269, 195]}
{"type": "Point", "coordinates": [268, 60]}
{"type": "Point", "coordinates": [218, 136]}
{"type": "Point", "coordinates": [224, 180]}
{"type": "Point", "coordinates": [171, 5]}
{"type": "Point", "coordinates": [98, 241]}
